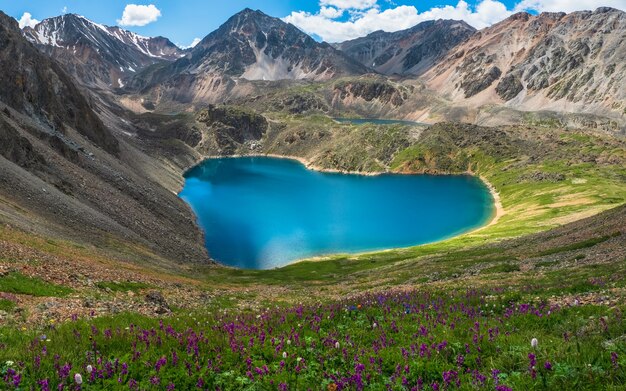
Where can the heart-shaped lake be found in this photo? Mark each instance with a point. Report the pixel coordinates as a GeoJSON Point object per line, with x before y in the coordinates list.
{"type": "Point", "coordinates": [261, 212]}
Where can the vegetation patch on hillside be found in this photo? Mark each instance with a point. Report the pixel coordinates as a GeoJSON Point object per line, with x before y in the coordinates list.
{"type": "Point", "coordinates": [15, 282]}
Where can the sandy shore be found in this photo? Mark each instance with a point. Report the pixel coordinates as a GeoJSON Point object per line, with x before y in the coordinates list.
{"type": "Point", "coordinates": [499, 212]}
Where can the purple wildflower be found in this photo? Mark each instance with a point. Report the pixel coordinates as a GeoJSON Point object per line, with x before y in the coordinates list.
{"type": "Point", "coordinates": [532, 362]}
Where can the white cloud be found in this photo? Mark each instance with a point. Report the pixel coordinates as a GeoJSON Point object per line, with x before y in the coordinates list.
{"type": "Point", "coordinates": [367, 20]}
{"type": "Point", "coordinates": [349, 4]}
{"type": "Point", "coordinates": [64, 10]}
{"type": "Point", "coordinates": [27, 20]}
{"type": "Point", "coordinates": [331, 12]}
{"type": "Point", "coordinates": [139, 15]}
{"type": "Point", "coordinates": [192, 44]}
{"type": "Point", "coordinates": [568, 5]}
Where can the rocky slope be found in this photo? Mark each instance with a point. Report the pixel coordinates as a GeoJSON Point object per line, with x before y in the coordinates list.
{"type": "Point", "coordinates": [554, 61]}
{"type": "Point", "coordinates": [408, 52]}
{"type": "Point", "coordinates": [250, 46]}
{"type": "Point", "coordinates": [36, 86]}
{"type": "Point", "coordinates": [66, 175]}
{"type": "Point", "coordinates": [98, 55]}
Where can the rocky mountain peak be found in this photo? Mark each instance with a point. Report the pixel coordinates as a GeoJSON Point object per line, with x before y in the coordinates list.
{"type": "Point", "coordinates": [253, 46]}
{"type": "Point", "coordinates": [604, 10]}
{"type": "Point", "coordinates": [523, 16]}
{"type": "Point", "coordinates": [71, 29]}
{"type": "Point", "coordinates": [98, 55]}
{"type": "Point", "coordinates": [259, 31]}
{"type": "Point", "coordinates": [407, 52]}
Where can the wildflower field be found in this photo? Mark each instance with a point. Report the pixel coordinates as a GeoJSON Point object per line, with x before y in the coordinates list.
{"type": "Point", "coordinates": [413, 340]}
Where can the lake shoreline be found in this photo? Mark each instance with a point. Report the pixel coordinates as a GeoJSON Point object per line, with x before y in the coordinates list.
{"type": "Point", "coordinates": [494, 218]}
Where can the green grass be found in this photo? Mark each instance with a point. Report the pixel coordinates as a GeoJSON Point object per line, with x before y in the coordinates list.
{"type": "Point", "coordinates": [6, 305]}
{"type": "Point", "coordinates": [15, 282]}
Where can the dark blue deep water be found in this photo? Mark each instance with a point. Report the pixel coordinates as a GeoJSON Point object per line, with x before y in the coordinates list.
{"type": "Point", "coordinates": [260, 213]}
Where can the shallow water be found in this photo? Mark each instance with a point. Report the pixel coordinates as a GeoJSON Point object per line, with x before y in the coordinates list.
{"type": "Point", "coordinates": [260, 212]}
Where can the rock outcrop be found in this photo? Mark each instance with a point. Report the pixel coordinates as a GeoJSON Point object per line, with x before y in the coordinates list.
{"type": "Point", "coordinates": [230, 127]}
{"type": "Point", "coordinates": [558, 61]}
{"type": "Point", "coordinates": [371, 89]}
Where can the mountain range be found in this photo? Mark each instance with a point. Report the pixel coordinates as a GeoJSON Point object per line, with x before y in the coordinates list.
{"type": "Point", "coordinates": [98, 123]}
{"type": "Point", "coordinates": [98, 55]}
{"type": "Point", "coordinates": [250, 46]}
{"type": "Point", "coordinates": [556, 61]}
{"type": "Point", "coordinates": [66, 169]}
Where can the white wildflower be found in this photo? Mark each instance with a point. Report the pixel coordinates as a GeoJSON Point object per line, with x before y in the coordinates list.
{"type": "Point", "coordinates": [337, 345]}
{"type": "Point", "coordinates": [288, 342]}
{"type": "Point", "coordinates": [9, 363]}
{"type": "Point", "coordinates": [78, 379]}
{"type": "Point", "coordinates": [284, 354]}
{"type": "Point", "coordinates": [534, 343]}
{"type": "Point", "coordinates": [89, 369]}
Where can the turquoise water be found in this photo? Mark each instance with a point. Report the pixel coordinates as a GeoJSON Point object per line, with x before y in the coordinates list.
{"type": "Point", "coordinates": [260, 213]}
{"type": "Point", "coordinates": [377, 121]}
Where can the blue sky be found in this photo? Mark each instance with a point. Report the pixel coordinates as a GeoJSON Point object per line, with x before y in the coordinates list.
{"type": "Point", "coordinates": [331, 20]}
